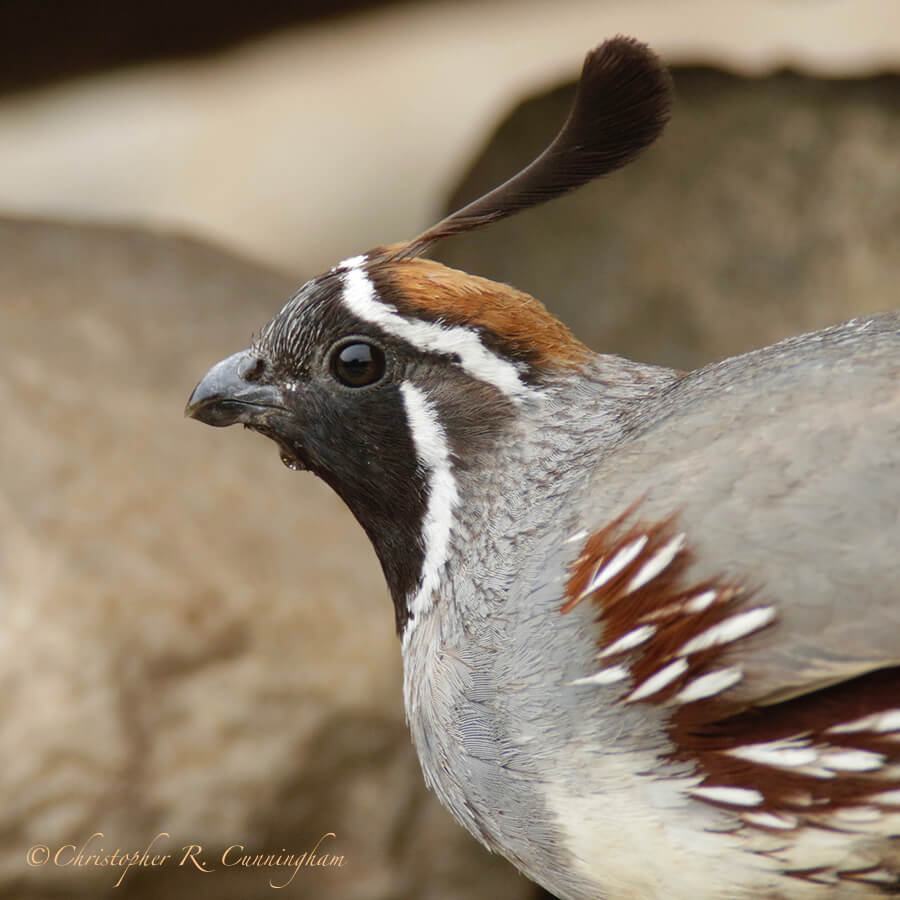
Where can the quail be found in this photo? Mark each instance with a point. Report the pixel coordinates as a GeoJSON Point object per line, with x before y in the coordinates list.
{"type": "Point", "coordinates": [649, 619]}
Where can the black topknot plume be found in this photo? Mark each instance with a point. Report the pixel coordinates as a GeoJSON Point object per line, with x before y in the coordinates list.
{"type": "Point", "coordinates": [621, 106]}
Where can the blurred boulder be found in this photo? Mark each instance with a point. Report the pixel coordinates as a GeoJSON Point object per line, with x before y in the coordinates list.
{"type": "Point", "coordinates": [771, 206]}
{"type": "Point", "coordinates": [318, 142]}
{"type": "Point", "coordinates": [193, 640]}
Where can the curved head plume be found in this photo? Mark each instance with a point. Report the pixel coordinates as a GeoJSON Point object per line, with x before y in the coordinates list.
{"type": "Point", "coordinates": [621, 106]}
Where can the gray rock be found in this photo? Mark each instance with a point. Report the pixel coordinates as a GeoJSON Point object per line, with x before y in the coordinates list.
{"type": "Point", "coordinates": [193, 640]}
{"type": "Point", "coordinates": [770, 207]}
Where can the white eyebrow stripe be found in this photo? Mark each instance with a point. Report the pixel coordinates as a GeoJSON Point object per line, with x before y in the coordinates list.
{"type": "Point", "coordinates": [351, 262]}
{"type": "Point", "coordinates": [456, 340]}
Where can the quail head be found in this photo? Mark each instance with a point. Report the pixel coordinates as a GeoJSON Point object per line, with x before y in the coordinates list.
{"type": "Point", "coordinates": [650, 620]}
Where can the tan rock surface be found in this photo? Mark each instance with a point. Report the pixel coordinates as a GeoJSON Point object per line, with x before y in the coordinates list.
{"type": "Point", "coordinates": [769, 207]}
{"type": "Point", "coordinates": [320, 142]}
{"type": "Point", "coordinates": [193, 639]}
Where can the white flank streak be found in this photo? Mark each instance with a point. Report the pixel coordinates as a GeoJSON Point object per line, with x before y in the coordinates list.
{"type": "Point", "coordinates": [879, 722]}
{"type": "Point", "coordinates": [579, 535]}
{"type": "Point", "coordinates": [787, 754]}
{"type": "Point", "coordinates": [710, 684]}
{"type": "Point", "coordinates": [731, 795]}
{"type": "Point", "coordinates": [434, 454]}
{"type": "Point", "coordinates": [359, 297]}
{"type": "Point", "coordinates": [879, 876]}
{"type": "Point", "coordinates": [730, 629]}
{"type": "Point", "coordinates": [804, 758]}
{"type": "Point", "coordinates": [770, 820]}
{"type": "Point", "coordinates": [700, 602]}
{"type": "Point", "coordinates": [634, 638]}
{"type": "Point", "coordinates": [656, 564]}
{"type": "Point", "coordinates": [604, 676]}
{"type": "Point", "coordinates": [851, 760]}
{"type": "Point", "coordinates": [615, 565]}
{"type": "Point", "coordinates": [658, 681]}
{"type": "Point", "coordinates": [887, 798]}
{"type": "Point", "coordinates": [859, 814]}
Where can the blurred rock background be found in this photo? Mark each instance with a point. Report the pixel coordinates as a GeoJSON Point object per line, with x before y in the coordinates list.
{"type": "Point", "coordinates": [770, 207]}
{"type": "Point", "coordinates": [194, 640]}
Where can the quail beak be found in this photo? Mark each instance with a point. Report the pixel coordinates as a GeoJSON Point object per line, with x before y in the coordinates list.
{"type": "Point", "coordinates": [229, 394]}
{"type": "Point", "coordinates": [226, 396]}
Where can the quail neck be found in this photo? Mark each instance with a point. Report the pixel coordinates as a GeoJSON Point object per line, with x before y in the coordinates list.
{"type": "Point", "coordinates": [497, 521]}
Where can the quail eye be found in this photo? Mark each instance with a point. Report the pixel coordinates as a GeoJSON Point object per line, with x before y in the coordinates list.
{"type": "Point", "coordinates": [357, 363]}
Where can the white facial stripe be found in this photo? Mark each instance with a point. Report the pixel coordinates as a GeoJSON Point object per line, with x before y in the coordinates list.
{"type": "Point", "coordinates": [359, 297]}
{"type": "Point", "coordinates": [433, 452]}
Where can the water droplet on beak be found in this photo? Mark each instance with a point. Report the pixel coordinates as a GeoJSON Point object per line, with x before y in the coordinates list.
{"type": "Point", "coordinates": [291, 462]}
